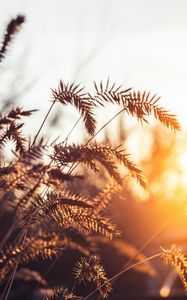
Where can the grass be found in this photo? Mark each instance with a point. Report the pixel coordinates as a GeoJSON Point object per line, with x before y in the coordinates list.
{"type": "Point", "coordinates": [44, 215]}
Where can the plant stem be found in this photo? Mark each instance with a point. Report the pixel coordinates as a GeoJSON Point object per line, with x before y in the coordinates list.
{"type": "Point", "coordinates": [10, 282]}
{"type": "Point", "coordinates": [152, 237]}
{"type": "Point", "coordinates": [123, 271]}
{"type": "Point", "coordinates": [41, 126]}
{"type": "Point", "coordinates": [119, 112]}
{"type": "Point", "coordinates": [73, 166]}
{"type": "Point", "coordinates": [66, 139]}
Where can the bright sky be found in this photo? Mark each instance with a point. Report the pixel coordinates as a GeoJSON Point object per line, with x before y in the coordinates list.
{"type": "Point", "coordinates": [139, 43]}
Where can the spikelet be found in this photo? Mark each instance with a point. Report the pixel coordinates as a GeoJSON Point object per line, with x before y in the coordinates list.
{"type": "Point", "coordinates": [14, 114]}
{"type": "Point", "coordinates": [77, 212]}
{"type": "Point", "coordinates": [60, 293]}
{"type": "Point", "coordinates": [102, 200]}
{"type": "Point", "coordinates": [12, 28]}
{"type": "Point", "coordinates": [13, 132]}
{"type": "Point", "coordinates": [92, 154]}
{"type": "Point", "coordinates": [90, 269]}
{"type": "Point", "coordinates": [73, 94]}
{"type": "Point", "coordinates": [137, 104]}
{"type": "Point", "coordinates": [176, 259]}
{"type": "Point", "coordinates": [30, 275]}
{"type": "Point", "coordinates": [142, 104]}
{"type": "Point", "coordinates": [107, 93]}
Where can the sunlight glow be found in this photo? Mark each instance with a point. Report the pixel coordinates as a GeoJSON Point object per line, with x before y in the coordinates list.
{"type": "Point", "coordinates": [165, 291]}
{"type": "Point", "coordinates": [167, 286]}
{"type": "Point", "coordinates": [183, 166]}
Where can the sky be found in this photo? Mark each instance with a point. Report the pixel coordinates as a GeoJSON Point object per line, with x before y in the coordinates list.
{"type": "Point", "coordinates": [138, 43]}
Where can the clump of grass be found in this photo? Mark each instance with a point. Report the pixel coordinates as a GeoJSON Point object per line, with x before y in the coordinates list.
{"type": "Point", "coordinates": [46, 216]}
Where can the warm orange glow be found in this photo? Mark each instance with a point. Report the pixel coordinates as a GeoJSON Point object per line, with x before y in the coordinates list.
{"type": "Point", "coordinates": [183, 166]}
{"type": "Point", "coordinates": [165, 167]}
{"type": "Point", "coordinates": [165, 291]}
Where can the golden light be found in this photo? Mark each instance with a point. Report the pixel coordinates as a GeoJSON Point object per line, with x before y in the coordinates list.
{"type": "Point", "coordinates": [183, 167]}
{"type": "Point", "coordinates": [166, 288]}
{"type": "Point", "coordinates": [165, 291]}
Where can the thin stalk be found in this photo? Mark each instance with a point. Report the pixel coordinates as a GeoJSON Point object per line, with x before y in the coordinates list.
{"type": "Point", "coordinates": [74, 286]}
{"type": "Point", "coordinates": [123, 271]}
{"type": "Point", "coordinates": [51, 266]}
{"type": "Point", "coordinates": [41, 126]}
{"type": "Point", "coordinates": [7, 234]}
{"type": "Point", "coordinates": [10, 282]}
{"type": "Point", "coordinates": [110, 120]}
{"type": "Point", "coordinates": [152, 237]}
{"type": "Point", "coordinates": [14, 221]}
{"type": "Point", "coordinates": [73, 166]}
{"type": "Point", "coordinates": [67, 137]}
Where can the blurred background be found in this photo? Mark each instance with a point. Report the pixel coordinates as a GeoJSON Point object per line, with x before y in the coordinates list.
{"type": "Point", "coordinates": [140, 44]}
